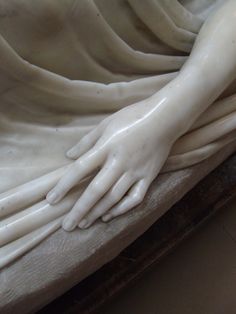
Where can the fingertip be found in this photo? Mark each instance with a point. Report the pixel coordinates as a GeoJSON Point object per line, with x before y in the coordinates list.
{"type": "Point", "coordinates": [71, 154]}
{"type": "Point", "coordinates": [69, 224]}
{"type": "Point", "coordinates": [52, 197]}
{"type": "Point", "coordinates": [106, 218]}
{"type": "Point", "coordinates": [83, 224]}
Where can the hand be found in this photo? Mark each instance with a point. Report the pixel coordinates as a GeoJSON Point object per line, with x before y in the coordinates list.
{"type": "Point", "coordinates": [129, 148]}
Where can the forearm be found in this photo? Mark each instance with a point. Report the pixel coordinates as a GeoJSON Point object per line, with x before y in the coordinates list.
{"type": "Point", "coordinates": [210, 68]}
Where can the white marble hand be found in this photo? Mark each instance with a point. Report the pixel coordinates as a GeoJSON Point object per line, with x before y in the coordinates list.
{"type": "Point", "coordinates": [130, 148]}
{"type": "Point", "coordinates": [132, 145]}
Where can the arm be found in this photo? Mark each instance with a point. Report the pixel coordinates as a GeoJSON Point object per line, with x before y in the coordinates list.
{"type": "Point", "coordinates": [210, 68]}
{"type": "Point", "coordinates": [131, 146]}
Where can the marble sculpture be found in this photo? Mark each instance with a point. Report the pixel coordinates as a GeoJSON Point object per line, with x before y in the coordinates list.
{"type": "Point", "coordinates": [97, 97]}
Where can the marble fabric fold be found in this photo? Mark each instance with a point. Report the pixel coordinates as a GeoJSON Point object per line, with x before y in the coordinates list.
{"type": "Point", "coordinates": [65, 66]}
{"type": "Point", "coordinates": [63, 260]}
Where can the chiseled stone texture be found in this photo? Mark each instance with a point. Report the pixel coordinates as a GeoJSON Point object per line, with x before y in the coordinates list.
{"type": "Point", "coordinates": [64, 259]}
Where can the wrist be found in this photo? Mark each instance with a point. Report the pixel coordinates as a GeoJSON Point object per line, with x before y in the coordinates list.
{"type": "Point", "coordinates": [180, 102]}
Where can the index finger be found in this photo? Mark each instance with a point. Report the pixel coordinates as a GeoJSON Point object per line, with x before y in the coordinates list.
{"type": "Point", "coordinates": [103, 181]}
{"type": "Point", "coordinates": [78, 171]}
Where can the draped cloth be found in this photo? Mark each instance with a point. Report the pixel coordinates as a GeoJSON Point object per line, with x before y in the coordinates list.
{"type": "Point", "coordinates": [65, 66]}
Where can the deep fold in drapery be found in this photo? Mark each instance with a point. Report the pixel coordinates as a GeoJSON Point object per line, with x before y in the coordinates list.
{"type": "Point", "coordinates": [66, 65]}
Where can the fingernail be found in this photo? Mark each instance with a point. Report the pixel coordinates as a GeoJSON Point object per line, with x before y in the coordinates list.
{"type": "Point", "coordinates": [106, 218]}
{"type": "Point", "coordinates": [70, 153]}
{"type": "Point", "coordinates": [52, 197]}
{"type": "Point", "coordinates": [68, 225]}
{"type": "Point", "coordinates": [83, 224]}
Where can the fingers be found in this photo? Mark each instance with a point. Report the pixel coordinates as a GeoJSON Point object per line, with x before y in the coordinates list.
{"type": "Point", "coordinates": [134, 198]}
{"type": "Point", "coordinates": [103, 181]}
{"type": "Point", "coordinates": [78, 171]}
{"type": "Point", "coordinates": [84, 144]}
{"type": "Point", "coordinates": [108, 201]}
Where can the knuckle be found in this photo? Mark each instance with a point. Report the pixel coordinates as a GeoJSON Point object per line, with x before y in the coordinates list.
{"type": "Point", "coordinates": [77, 164]}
